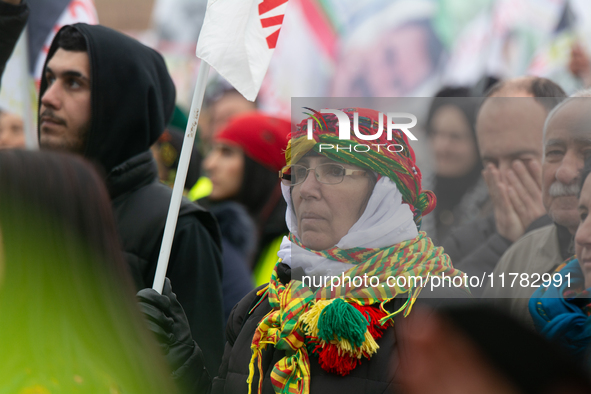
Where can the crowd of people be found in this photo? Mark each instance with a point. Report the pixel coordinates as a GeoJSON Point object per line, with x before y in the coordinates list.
{"type": "Point", "coordinates": [294, 269]}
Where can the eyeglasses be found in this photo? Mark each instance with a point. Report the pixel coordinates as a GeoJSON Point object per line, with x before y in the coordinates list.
{"type": "Point", "coordinates": [327, 173]}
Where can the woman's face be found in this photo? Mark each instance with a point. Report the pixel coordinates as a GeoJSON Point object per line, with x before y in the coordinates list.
{"type": "Point", "coordinates": [325, 213]}
{"type": "Point", "coordinates": [453, 142]}
{"type": "Point", "coordinates": [225, 167]}
{"type": "Point", "coordinates": [583, 234]}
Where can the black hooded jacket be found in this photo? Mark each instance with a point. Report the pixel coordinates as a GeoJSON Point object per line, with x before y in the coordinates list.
{"type": "Point", "coordinates": [132, 100]}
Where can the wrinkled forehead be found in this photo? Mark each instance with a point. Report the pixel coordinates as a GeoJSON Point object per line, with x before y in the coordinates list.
{"type": "Point", "coordinates": [313, 159]}
{"type": "Point", "coordinates": [511, 114]}
{"type": "Point", "coordinates": [572, 120]}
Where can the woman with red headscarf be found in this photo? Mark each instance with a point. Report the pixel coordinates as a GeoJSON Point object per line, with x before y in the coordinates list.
{"type": "Point", "coordinates": [246, 198]}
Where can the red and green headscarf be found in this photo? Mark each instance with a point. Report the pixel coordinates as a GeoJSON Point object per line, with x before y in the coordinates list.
{"type": "Point", "coordinates": [400, 167]}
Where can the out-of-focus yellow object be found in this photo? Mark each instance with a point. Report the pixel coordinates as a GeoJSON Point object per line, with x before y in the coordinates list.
{"type": "Point", "coordinates": [201, 189]}
{"type": "Point", "coordinates": [264, 266]}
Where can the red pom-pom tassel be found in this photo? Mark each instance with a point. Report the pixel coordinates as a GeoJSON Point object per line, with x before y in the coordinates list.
{"type": "Point", "coordinates": [330, 360]}
{"type": "Point", "coordinates": [373, 316]}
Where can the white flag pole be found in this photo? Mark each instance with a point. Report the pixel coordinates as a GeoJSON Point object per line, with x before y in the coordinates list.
{"type": "Point", "coordinates": [181, 176]}
{"type": "Point", "coordinates": [29, 123]}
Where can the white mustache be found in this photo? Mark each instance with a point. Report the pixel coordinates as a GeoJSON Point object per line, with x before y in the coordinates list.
{"type": "Point", "coordinates": [559, 189]}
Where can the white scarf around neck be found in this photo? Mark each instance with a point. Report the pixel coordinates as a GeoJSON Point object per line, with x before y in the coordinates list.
{"type": "Point", "coordinates": [386, 221]}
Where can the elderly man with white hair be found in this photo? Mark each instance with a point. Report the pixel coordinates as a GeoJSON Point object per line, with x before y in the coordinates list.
{"type": "Point", "coordinates": [567, 143]}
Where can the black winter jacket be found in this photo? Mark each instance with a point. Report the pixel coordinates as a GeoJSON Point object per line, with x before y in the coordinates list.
{"type": "Point", "coordinates": [376, 375]}
{"type": "Point", "coordinates": [13, 19]}
{"type": "Point", "coordinates": [140, 204]}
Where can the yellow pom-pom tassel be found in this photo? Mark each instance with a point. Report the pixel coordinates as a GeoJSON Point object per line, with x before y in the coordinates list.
{"type": "Point", "coordinates": [310, 318]}
{"type": "Point", "coordinates": [309, 321]}
{"type": "Point", "coordinates": [367, 348]}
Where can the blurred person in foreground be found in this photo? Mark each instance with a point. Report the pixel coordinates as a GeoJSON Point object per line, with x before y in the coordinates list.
{"type": "Point", "coordinates": [12, 131]}
{"type": "Point", "coordinates": [107, 97]}
{"type": "Point", "coordinates": [567, 143]}
{"type": "Point", "coordinates": [350, 215]}
{"type": "Point", "coordinates": [478, 349]}
{"type": "Point", "coordinates": [243, 164]}
{"type": "Point", "coordinates": [509, 131]}
{"type": "Point", "coordinates": [458, 183]}
{"type": "Point", "coordinates": [70, 322]}
{"type": "Point", "coordinates": [561, 308]}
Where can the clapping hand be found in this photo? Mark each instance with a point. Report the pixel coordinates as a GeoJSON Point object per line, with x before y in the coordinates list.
{"type": "Point", "coordinates": [516, 194]}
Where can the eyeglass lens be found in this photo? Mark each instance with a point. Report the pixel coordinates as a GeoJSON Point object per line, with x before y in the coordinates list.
{"type": "Point", "coordinates": [325, 173]}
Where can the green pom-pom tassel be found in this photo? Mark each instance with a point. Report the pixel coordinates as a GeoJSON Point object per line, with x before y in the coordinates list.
{"type": "Point", "coordinates": [342, 321]}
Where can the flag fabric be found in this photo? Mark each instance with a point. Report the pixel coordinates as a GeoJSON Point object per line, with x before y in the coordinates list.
{"type": "Point", "coordinates": [18, 95]}
{"type": "Point", "coordinates": [238, 38]}
{"type": "Point", "coordinates": [46, 18]}
{"type": "Point", "coordinates": [42, 19]}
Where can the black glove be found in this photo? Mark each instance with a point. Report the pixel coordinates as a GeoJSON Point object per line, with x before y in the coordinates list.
{"type": "Point", "coordinates": [167, 320]}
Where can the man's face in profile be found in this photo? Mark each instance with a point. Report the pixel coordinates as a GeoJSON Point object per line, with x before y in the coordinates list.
{"type": "Point", "coordinates": [567, 144]}
{"type": "Point", "coordinates": [65, 112]}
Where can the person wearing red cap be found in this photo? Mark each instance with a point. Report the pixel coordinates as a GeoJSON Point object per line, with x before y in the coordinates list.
{"type": "Point", "coordinates": [247, 154]}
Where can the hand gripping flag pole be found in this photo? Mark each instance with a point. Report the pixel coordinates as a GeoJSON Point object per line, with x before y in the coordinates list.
{"type": "Point", "coordinates": [238, 38]}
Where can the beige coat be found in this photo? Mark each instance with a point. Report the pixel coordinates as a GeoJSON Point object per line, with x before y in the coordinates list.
{"type": "Point", "coordinates": [536, 252]}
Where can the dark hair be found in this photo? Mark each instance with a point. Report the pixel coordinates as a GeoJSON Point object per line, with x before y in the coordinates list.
{"type": "Point", "coordinates": [70, 39]}
{"type": "Point", "coordinates": [260, 193]}
{"type": "Point", "coordinates": [459, 97]}
{"type": "Point", "coordinates": [64, 283]}
{"type": "Point", "coordinates": [259, 184]}
{"type": "Point", "coordinates": [550, 92]}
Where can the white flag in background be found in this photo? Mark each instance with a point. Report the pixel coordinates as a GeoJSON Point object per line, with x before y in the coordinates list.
{"type": "Point", "coordinates": [238, 38]}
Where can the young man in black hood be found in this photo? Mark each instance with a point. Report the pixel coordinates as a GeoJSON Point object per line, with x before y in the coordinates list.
{"type": "Point", "coordinates": [107, 97]}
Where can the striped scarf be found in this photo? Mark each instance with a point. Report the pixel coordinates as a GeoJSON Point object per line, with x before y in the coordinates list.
{"type": "Point", "coordinates": [303, 319]}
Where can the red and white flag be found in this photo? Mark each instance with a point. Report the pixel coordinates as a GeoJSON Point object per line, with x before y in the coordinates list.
{"type": "Point", "coordinates": [238, 38]}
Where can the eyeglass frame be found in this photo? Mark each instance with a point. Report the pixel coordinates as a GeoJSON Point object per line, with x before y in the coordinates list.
{"type": "Point", "coordinates": [348, 171]}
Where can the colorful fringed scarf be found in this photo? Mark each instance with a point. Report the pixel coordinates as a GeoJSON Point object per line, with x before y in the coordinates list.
{"type": "Point", "coordinates": [340, 326]}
